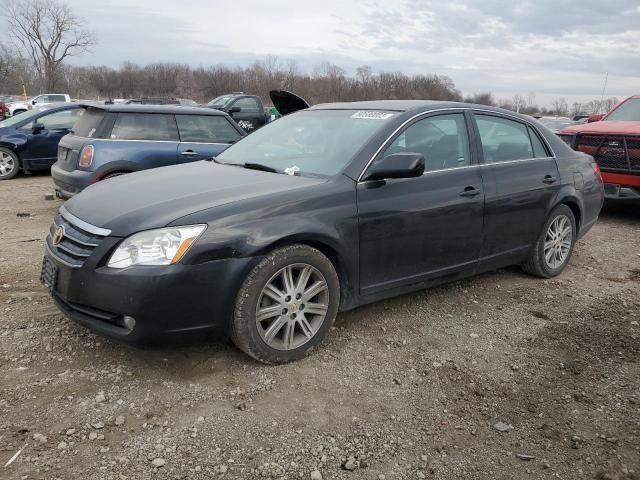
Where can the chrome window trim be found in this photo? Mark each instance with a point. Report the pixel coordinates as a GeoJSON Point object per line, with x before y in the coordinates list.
{"type": "Point", "coordinates": [157, 141]}
{"type": "Point", "coordinates": [87, 227]}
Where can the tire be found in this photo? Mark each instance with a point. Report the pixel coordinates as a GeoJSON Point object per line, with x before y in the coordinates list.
{"type": "Point", "coordinates": [288, 331]}
{"type": "Point", "coordinates": [18, 112]}
{"type": "Point", "coordinates": [539, 264]}
{"type": "Point", "coordinates": [9, 164]}
{"type": "Point", "coordinates": [113, 175]}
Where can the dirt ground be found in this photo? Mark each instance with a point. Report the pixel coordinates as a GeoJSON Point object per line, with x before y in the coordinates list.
{"type": "Point", "coordinates": [503, 376]}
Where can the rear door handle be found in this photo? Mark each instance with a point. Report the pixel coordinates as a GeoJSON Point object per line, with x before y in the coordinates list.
{"type": "Point", "coordinates": [189, 153]}
{"type": "Point", "coordinates": [548, 179]}
{"type": "Point", "coordinates": [470, 192]}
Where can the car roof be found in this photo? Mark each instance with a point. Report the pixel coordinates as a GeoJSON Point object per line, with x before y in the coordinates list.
{"type": "Point", "coordinates": [137, 108]}
{"type": "Point", "coordinates": [412, 106]}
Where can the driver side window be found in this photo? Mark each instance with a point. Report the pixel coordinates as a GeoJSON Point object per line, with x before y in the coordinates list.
{"type": "Point", "coordinates": [442, 140]}
{"type": "Point", "coordinates": [63, 120]}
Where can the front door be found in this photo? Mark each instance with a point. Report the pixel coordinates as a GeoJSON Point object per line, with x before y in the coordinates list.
{"type": "Point", "coordinates": [250, 117]}
{"type": "Point", "coordinates": [521, 179]}
{"type": "Point", "coordinates": [41, 149]}
{"type": "Point", "coordinates": [415, 229]}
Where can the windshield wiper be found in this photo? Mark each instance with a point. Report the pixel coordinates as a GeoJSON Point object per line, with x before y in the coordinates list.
{"type": "Point", "coordinates": [249, 165]}
{"type": "Point", "coordinates": [259, 166]}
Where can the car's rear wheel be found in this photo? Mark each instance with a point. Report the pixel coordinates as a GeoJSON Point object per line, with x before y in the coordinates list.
{"type": "Point", "coordinates": [9, 164]}
{"type": "Point", "coordinates": [286, 305]}
{"type": "Point", "coordinates": [554, 247]}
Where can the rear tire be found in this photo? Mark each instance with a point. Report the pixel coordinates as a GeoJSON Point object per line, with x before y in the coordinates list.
{"type": "Point", "coordinates": [9, 164]}
{"type": "Point", "coordinates": [553, 249]}
{"type": "Point", "coordinates": [286, 305]}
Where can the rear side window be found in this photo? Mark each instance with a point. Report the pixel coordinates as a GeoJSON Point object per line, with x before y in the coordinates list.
{"type": "Point", "coordinates": [206, 129]}
{"type": "Point", "coordinates": [57, 98]}
{"type": "Point", "coordinates": [89, 120]}
{"type": "Point", "coordinates": [503, 140]}
{"type": "Point", "coordinates": [247, 105]}
{"type": "Point", "coordinates": [145, 126]}
{"type": "Point", "coordinates": [538, 148]}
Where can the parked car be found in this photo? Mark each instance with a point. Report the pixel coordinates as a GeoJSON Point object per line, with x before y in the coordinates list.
{"type": "Point", "coordinates": [111, 140]}
{"type": "Point", "coordinates": [49, 98]}
{"type": "Point", "coordinates": [247, 110]}
{"type": "Point", "coordinates": [556, 124]}
{"type": "Point", "coordinates": [29, 141]}
{"type": "Point", "coordinates": [379, 198]}
{"type": "Point", "coordinates": [614, 141]}
{"type": "Point", "coordinates": [15, 105]}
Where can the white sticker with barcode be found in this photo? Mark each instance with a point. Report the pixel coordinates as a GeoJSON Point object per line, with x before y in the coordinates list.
{"type": "Point", "coordinates": [372, 115]}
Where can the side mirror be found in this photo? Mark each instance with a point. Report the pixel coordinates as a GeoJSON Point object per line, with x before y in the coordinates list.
{"type": "Point", "coordinates": [397, 165]}
{"type": "Point", "coordinates": [596, 117]}
{"type": "Point", "coordinates": [37, 127]}
{"type": "Point", "coordinates": [233, 110]}
{"type": "Point", "coordinates": [33, 102]}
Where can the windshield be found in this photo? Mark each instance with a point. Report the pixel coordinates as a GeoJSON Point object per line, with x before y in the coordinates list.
{"type": "Point", "coordinates": [88, 121]}
{"type": "Point", "coordinates": [628, 111]}
{"type": "Point", "coordinates": [221, 101]}
{"type": "Point", "coordinates": [318, 142]}
{"type": "Point", "coordinates": [9, 122]}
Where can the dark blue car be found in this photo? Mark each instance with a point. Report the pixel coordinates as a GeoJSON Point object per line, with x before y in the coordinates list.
{"type": "Point", "coordinates": [29, 141]}
{"type": "Point", "coordinates": [111, 140]}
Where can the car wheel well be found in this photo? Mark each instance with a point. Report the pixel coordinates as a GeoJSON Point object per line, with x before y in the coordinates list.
{"type": "Point", "coordinates": [329, 252]}
{"type": "Point", "coordinates": [116, 173]}
{"type": "Point", "coordinates": [576, 212]}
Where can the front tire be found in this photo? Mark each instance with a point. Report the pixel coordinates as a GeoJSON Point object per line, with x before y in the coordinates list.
{"type": "Point", "coordinates": [9, 164]}
{"type": "Point", "coordinates": [286, 305]}
{"type": "Point", "coordinates": [554, 247]}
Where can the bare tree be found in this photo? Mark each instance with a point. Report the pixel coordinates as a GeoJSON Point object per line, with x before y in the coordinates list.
{"type": "Point", "coordinates": [560, 107]}
{"type": "Point", "coordinates": [48, 32]}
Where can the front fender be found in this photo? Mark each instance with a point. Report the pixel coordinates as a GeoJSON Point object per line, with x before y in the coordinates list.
{"type": "Point", "coordinates": [15, 142]}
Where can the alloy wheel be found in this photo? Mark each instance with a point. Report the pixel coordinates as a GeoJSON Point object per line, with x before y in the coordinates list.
{"type": "Point", "coordinates": [558, 241]}
{"type": "Point", "coordinates": [7, 164]}
{"type": "Point", "coordinates": [292, 306]}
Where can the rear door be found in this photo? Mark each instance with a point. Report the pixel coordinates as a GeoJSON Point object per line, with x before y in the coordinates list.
{"type": "Point", "coordinates": [147, 139]}
{"type": "Point", "coordinates": [41, 149]}
{"type": "Point", "coordinates": [415, 229]}
{"type": "Point", "coordinates": [521, 178]}
{"type": "Point", "coordinates": [204, 136]}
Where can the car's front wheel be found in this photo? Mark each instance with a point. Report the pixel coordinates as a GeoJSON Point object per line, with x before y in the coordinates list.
{"type": "Point", "coordinates": [554, 247]}
{"type": "Point", "coordinates": [9, 164]}
{"type": "Point", "coordinates": [286, 305]}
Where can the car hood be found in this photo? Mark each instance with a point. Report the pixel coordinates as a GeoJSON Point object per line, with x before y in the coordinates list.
{"type": "Point", "coordinates": [604, 126]}
{"type": "Point", "coordinates": [155, 198]}
{"type": "Point", "coordinates": [287, 102]}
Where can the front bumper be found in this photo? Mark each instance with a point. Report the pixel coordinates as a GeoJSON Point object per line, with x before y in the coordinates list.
{"type": "Point", "coordinates": [164, 300]}
{"type": "Point", "coordinates": [67, 184]}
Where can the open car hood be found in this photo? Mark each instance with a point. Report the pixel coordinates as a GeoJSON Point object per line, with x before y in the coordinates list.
{"type": "Point", "coordinates": [287, 102]}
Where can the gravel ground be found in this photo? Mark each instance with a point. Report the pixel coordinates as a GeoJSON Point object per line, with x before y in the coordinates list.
{"type": "Point", "coordinates": [498, 377]}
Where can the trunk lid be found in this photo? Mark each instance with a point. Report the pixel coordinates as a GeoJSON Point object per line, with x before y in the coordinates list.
{"type": "Point", "coordinates": [287, 102]}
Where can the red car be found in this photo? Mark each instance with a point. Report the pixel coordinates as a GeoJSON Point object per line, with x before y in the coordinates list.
{"type": "Point", "coordinates": [614, 141]}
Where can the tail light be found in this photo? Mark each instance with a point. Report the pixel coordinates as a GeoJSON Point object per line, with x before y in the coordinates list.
{"type": "Point", "coordinates": [596, 169]}
{"type": "Point", "coordinates": [86, 156]}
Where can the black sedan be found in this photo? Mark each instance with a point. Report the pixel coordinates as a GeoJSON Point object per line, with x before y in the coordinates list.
{"type": "Point", "coordinates": [319, 212]}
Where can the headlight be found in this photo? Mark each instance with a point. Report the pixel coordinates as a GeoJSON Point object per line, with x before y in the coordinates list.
{"type": "Point", "coordinates": [164, 246]}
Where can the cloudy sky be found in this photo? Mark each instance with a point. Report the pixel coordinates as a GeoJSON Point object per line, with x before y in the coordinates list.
{"type": "Point", "coordinates": [549, 48]}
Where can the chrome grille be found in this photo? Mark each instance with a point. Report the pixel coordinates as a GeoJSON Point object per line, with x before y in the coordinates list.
{"type": "Point", "coordinates": [77, 241]}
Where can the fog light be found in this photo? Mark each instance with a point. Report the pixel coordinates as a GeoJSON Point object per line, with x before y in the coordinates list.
{"type": "Point", "coordinates": [129, 322]}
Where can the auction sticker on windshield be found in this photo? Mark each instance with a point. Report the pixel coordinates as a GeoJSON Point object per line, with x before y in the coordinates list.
{"type": "Point", "coordinates": [372, 115]}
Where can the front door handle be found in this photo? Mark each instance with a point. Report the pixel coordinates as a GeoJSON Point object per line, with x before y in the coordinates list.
{"type": "Point", "coordinates": [189, 153]}
{"type": "Point", "coordinates": [470, 192]}
{"type": "Point", "coordinates": [548, 179]}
